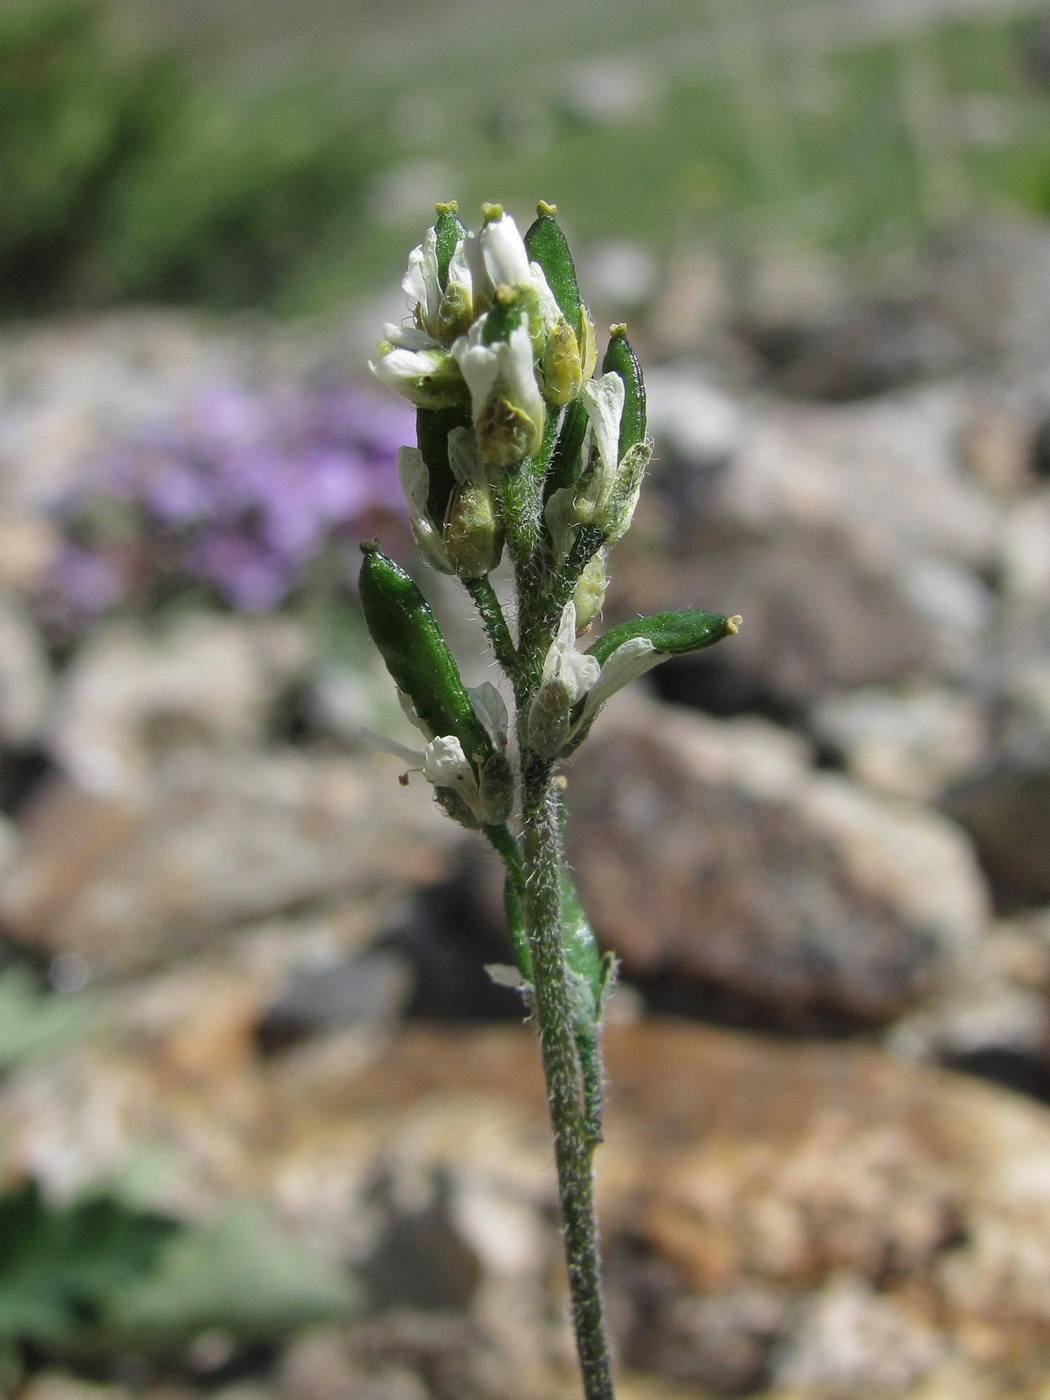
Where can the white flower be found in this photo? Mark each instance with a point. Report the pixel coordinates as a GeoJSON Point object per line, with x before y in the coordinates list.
{"type": "Point", "coordinates": [415, 483]}
{"type": "Point", "coordinates": [442, 763]}
{"type": "Point", "coordinates": [421, 284]}
{"type": "Point", "coordinates": [418, 367]}
{"type": "Point", "coordinates": [564, 664]}
{"type": "Point", "coordinates": [571, 676]}
{"type": "Point", "coordinates": [446, 765]}
{"type": "Point", "coordinates": [503, 370]}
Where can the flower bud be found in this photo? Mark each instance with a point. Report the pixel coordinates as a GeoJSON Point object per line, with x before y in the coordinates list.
{"type": "Point", "coordinates": [473, 533]}
{"type": "Point", "coordinates": [562, 368]}
{"type": "Point", "coordinates": [590, 592]}
{"type": "Point", "coordinates": [496, 361]}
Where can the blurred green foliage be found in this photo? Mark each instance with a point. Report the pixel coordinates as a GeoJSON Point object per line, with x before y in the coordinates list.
{"type": "Point", "coordinates": [33, 1021]}
{"type": "Point", "coordinates": [99, 1277]}
{"type": "Point", "coordinates": [262, 156]}
{"type": "Point", "coordinates": [126, 176]}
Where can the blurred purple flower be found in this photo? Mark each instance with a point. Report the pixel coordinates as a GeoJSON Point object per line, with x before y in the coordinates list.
{"type": "Point", "coordinates": [241, 491]}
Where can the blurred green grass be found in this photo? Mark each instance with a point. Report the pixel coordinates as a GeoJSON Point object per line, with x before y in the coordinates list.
{"type": "Point", "coordinates": [266, 160]}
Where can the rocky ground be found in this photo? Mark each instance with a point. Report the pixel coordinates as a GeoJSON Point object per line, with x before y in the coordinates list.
{"type": "Point", "coordinates": [821, 852]}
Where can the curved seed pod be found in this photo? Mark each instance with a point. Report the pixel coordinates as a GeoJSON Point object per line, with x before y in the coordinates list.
{"type": "Point", "coordinates": [448, 231]}
{"type": "Point", "coordinates": [410, 641]}
{"type": "Point", "coordinates": [621, 359]}
{"type": "Point", "coordinates": [546, 244]}
{"type": "Point", "coordinates": [670, 632]}
{"type": "Point", "coordinates": [433, 426]}
{"type": "Point", "coordinates": [567, 461]}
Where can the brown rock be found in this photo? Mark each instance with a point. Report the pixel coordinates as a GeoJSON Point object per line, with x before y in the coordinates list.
{"type": "Point", "coordinates": [728, 874]}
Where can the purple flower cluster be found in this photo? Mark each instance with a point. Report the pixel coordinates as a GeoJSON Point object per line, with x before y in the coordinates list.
{"type": "Point", "coordinates": [239, 495]}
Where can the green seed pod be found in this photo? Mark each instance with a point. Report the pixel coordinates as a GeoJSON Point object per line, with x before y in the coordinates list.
{"type": "Point", "coordinates": [620, 358]}
{"type": "Point", "coordinates": [567, 460]}
{"type": "Point", "coordinates": [410, 641]}
{"type": "Point", "coordinates": [671, 633]}
{"type": "Point", "coordinates": [433, 426]}
{"type": "Point", "coordinates": [448, 231]}
{"type": "Point", "coordinates": [473, 533]}
{"type": "Point", "coordinates": [546, 244]}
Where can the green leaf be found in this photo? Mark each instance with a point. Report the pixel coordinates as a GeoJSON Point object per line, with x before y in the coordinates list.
{"type": "Point", "coordinates": [59, 1264]}
{"type": "Point", "coordinates": [241, 1273]}
{"type": "Point", "coordinates": [33, 1021]}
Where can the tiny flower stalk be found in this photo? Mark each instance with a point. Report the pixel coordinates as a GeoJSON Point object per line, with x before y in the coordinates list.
{"type": "Point", "coordinates": [522, 449]}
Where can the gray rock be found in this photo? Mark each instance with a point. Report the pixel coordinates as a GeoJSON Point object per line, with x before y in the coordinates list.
{"type": "Point", "coordinates": [132, 697]}
{"type": "Point", "coordinates": [213, 844]}
{"type": "Point", "coordinates": [727, 873]}
{"type": "Point", "coordinates": [908, 743]}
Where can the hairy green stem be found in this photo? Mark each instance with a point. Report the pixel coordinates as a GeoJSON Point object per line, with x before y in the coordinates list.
{"type": "Point", "coordinates": [573, 1144]}
{"type": "Point", "coordinates": [495, 624]}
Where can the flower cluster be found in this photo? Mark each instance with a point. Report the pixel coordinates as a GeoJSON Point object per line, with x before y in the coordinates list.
{"type": "Point", "coordinates": [236, 498]}
{"type": "Point", "coordinates": [498, 352]}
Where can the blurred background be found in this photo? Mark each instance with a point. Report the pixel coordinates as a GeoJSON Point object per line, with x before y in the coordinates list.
{"type": "Point", "coordinates": [267, 1131]}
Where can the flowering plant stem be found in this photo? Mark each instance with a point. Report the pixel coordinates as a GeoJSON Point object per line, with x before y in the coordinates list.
{"type": "Point", "coordinates": [547, 463]}
{"type": "Point", "coordinates": [573, 1144]}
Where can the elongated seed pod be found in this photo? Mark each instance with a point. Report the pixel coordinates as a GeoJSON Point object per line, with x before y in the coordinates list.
{"type": "Point", "coordinates": [433, 426]}
{"type": "Point", "coordinates": [620, 358]}
{"type": "Point", "coordinates": [567, 462]}
{"type": "Point", "coordinates": [546, 244]}
{"type": "Point", "coordinates": [670, 632]}
{"type": "Point", "coordinates": [417, 656]}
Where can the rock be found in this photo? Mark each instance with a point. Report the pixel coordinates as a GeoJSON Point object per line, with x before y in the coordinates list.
{"type": "Point", "coordinates": [698, 423]}
{"type": "Point", "coordinates": [1005, 808]}
{"type": "Point", "coordinates": [817, 617]}
{"type": "Point", "coordinates": [910, 743]}
{"type": "Point", "coordinates": [850, 1342]}
{"type": "Point", "coordinates": [1025, 565]}
{"type": "Point", "coordinates": [854, 352]}
{"type": "Point", "coordinates": [217, 842]}
{"type": "Point", "coordinates": [773, 1214]}
{"type": "Point", "coordinates": [132, 698]}
{"type": "Point", "coordinates": [733, 879]}
{"type": "Point", "coordinates": [25, 678]}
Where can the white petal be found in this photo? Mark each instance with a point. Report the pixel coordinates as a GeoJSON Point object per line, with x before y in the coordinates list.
{"type": "Point", "coordinates": [491, 711]}
{"type": "Point", "coordinates": [549, 308]}
{"type": "Point", "coordinates": [445, 764]}
{"type": "Point", "coordinates": [409, 338]}
{"type": "Point", "coordinates": [519, 373]}
{"type": "Point", "coordinates": [503, 250]}
{"type": "Point", "coordinates": [563, 662]}
{"type": "Point", "coordinates": [415, 483]}
{"type": "Point", "coordinates": [479, 365]}
{"type": "Point", "coordinates": [412, 715]}
{"type": "Point", "coordinates": [420, 283]}
{"type": "Point", "coordinates": [463, 456]}
{"type": "Point", "coordinates": [391, 746]}
{"type": "Point", "coordinates": [474, 259]}
{"type": "Point", "coordinates": [629, 661]}
{"type": "Point", "coordinates": [414, 477]}
{"type": "Point", "coordinates": [603, 399]}
{"type": "Point", "coordinates": [459, 273]}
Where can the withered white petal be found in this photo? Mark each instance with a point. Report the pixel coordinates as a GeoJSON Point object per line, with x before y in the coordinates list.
{"type": "Point", "coordinates": [603, 398]}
